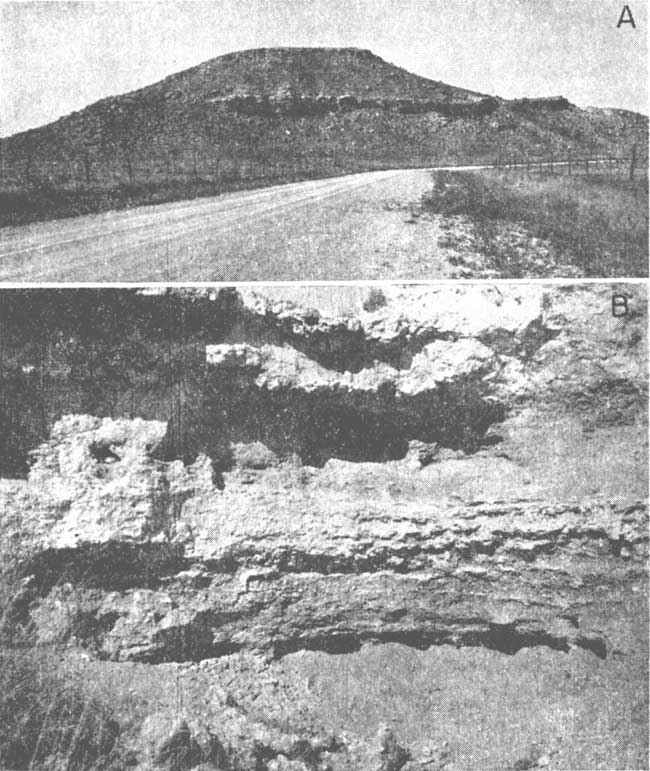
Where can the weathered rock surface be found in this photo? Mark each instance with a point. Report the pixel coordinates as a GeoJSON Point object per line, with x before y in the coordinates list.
{"type": "Point", "coordinates": [391, 323]}
{"type": "Point", "coordinates": [356, 374]}
{"type": "Point", "coordinates": [99, 478]}
{"type": "Point", "coordinates": [562, 337]}
{"type": "Point", "coordinates": [147, 560]}
{"type": "Point", "coordinates": [438, 363]}
{"type": "Point", "coordinates": [442, 532]}
{"type": "Point", "coordinates": [299, 105]}
{"type": "Point", "coordinates": [424, 364]}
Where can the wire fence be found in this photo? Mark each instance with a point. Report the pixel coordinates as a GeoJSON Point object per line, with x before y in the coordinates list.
{"type": "Point", "coordinates": [609, 165]}
{"type": "Point", "coordinates": [205, 168]}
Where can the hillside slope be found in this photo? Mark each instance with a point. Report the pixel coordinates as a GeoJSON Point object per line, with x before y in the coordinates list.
{"type": "Point", "coordinates": [254, 117]}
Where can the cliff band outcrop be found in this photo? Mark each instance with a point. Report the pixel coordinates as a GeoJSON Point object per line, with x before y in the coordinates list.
{"type": "Point", "coordinates": [298, 105]}
{"type": "Point", "coordinates": [406, 364]}
{"type": "Point", "coordinates": [317, 512]}
{"type": "Point", "coordinates": [145, 560]}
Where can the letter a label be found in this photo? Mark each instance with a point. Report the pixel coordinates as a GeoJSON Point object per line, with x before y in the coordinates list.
{"type": "Point", "coordinates": [626, 17]}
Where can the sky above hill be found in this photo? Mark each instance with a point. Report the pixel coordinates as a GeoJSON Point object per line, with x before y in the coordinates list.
{"type": "Point", "coordinates": [57, 56]}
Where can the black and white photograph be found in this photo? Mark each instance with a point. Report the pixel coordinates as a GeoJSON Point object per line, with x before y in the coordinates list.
{"type": "Point", "coordinates": [324, 385]}
{"type": "Point", "coordinates": [312, 528]}
{"type": "Point", "coordinates": [250, 140]}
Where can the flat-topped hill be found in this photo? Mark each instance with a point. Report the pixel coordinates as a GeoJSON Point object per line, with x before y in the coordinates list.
{"type": "Point", "coordinates": [308, 72]}
{"type": "Point", "coordinates": [265, 116]}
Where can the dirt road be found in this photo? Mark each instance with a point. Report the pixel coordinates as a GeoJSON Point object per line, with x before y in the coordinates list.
{"type": "Point", "coordinates": [351, 227]}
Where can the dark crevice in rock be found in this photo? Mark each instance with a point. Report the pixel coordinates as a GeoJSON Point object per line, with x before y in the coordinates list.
{"type": "Point", "coordinates": [596, 645]}
{"type": "Point", "coordinates": [103, 453]}
{"type": "Point", "coordinates": [199, 639]}
{"type": "Point", "coordinates": [329, 423]}
{"type": "Point", "coordinates": [346, 349]}
{"type": "Point", "coordinates": [110, 567]}
{"type": "Point", "coordinates": [504, 638]}
{"type": "Point", "coordinates": [178, 645]}
{"type": "Point", "coordinates": [334, 644]}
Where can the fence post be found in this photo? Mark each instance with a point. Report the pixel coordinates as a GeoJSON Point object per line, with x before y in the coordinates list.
{"type": "Point", "coordinates": [633, 162]}
{"type": "Point", "coordinates": [129, 167]}
{"type": "Point", "coordinates": [87, 162]}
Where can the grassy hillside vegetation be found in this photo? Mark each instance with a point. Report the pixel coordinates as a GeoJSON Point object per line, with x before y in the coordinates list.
{"type": "Point", "coordinates": [50, 721]}
{"type": "Point", "coordinates": [596, 223]}
{"type": "Point", "coordinates": [51, 717]}
{"type": "Point", "coordinates": [269, 116]}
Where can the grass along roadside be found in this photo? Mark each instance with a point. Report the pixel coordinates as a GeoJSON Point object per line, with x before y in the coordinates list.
{"type": "Point", "coordinates": [43, 201]}
{"type": "Point", "coordinates": [51, 716]}
{"type": "Point", "coordinates": [594, 226]}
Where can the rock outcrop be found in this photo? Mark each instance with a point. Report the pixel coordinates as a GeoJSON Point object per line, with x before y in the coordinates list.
{"type": "Point", "coordinates": [540, 102]}
{"type": "Point", "coordinates": [387, 478]}
{"type": "Point", "coordinates": [300, 105]}
{"type": "Point", "coordinates": [145, 560]}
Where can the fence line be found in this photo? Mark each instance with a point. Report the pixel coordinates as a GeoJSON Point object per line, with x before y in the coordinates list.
{"type": "Point", "coordinates": [206, 168]}
{"type": "Point", "coordinates": [611, 164]}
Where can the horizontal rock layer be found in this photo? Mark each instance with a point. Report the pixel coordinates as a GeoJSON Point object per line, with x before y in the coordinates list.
{"type": "Point", "coordinates": [436, 364]}
{"type": "Point", "coordinates": [234, 521]}
{"type": "Point", "coordinates": [301, 105]}
{"type": "Point", "coordinates": [145, 560]}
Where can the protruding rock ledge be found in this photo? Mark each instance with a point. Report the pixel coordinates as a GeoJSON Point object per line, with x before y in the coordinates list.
{"type": "Point", "coordinates": [144, 560]}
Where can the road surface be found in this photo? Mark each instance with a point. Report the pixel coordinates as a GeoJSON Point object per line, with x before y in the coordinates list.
{"type": "Point", "coordinates": [352, 227]}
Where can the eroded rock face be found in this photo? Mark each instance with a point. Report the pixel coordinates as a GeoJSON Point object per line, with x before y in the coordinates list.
{"type": "Point", "coordinates": [358, 502]}
{"type": "Point", "coordinates": [158, 560]}
{"type": "Point", "coordinates": [393, 323]}
{"type": "Point", "coordinates": [97, 477]}
{"type": "Point", "coordinates": [293, 403]}
{"type": "Point", "coordinates": [422, 364]}
{"type": "Point", "coordinates": [298, 105]}
{"type": "Point", "coordinates": [355, 375]}
{"type": "Point", "coordinates": [182, 570]}
{"type": "Point", "coordinates": [567, 334]}
{"type": "Point", "coordinates": [437, 364]}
